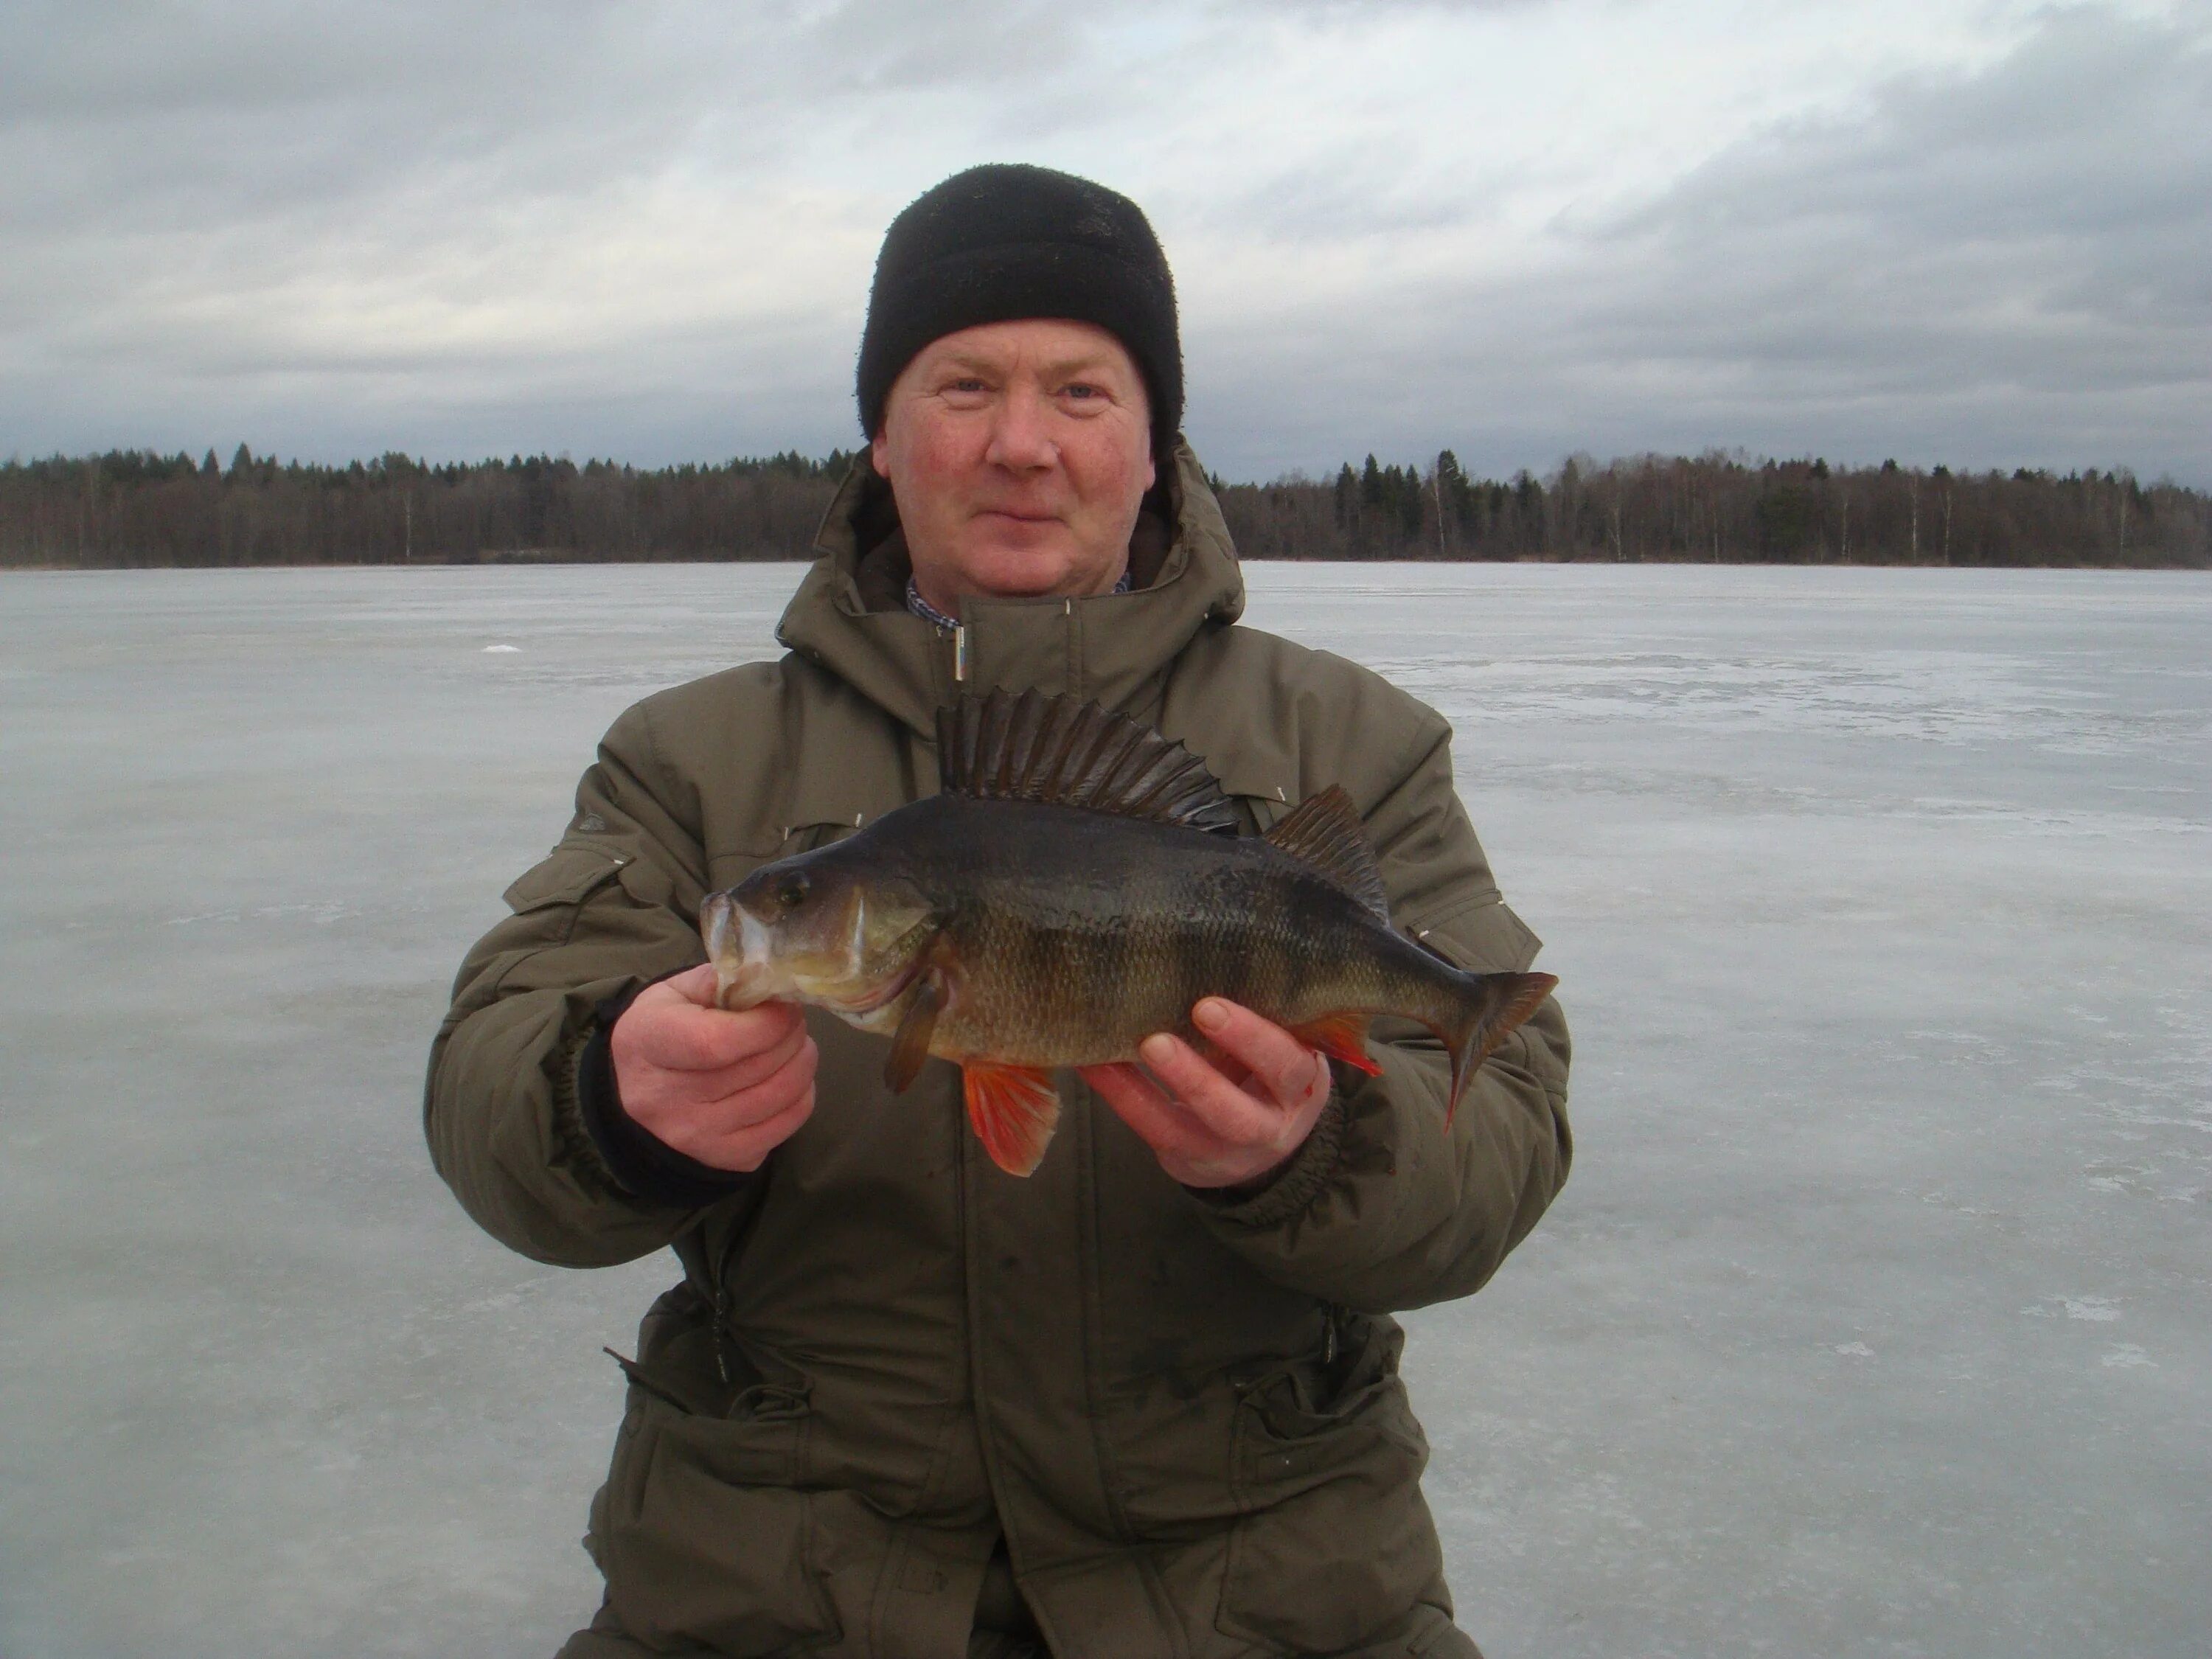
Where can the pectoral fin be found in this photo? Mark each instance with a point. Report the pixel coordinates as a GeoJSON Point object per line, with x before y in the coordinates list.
{"type": "Point", "coordinates": [910, 1042]}
{"type": "Point", "coordinates": [1013, 1110]}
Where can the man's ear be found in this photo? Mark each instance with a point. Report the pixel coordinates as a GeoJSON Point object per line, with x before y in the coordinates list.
{"type": "Point", "coordinates": [875, 456]}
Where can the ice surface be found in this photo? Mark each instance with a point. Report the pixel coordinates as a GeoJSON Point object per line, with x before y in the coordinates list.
{"type": "Point", "coordinates": [1874, 1321]}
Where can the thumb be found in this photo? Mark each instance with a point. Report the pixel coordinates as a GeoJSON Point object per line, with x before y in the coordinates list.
{"type": "Point", "coordinates": [695, 985]}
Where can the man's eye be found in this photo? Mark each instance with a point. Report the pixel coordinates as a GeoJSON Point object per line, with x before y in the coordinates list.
{"type": "Point", "coordinates": [969, 386]}
{"type": "Point", "coordinates": [1084, 391]}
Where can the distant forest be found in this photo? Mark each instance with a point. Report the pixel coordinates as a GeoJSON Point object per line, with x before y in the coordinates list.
{"type": "Point", "coordinates": [130, 509]}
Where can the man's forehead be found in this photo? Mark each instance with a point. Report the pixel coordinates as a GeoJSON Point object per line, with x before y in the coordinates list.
{"type": "Point", "coordinates": [1054, 344]}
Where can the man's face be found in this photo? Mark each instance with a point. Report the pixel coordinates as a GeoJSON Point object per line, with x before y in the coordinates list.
{"type": "Point", "coordinates": [1018, 453]}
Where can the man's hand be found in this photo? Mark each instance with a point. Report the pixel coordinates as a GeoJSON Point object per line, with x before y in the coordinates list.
{"type": "Point", "coordinates": [725, 1089]}
{"type": "Point", "coordinates": [1219, 1123]}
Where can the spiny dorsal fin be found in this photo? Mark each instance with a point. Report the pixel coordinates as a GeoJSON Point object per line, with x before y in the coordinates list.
{"type": "Point", "coordinates": [1071, 753]}
{"type": "Point", "coordinates": [1324, 831]}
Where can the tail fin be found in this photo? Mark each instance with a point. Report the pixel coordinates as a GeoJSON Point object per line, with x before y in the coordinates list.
{"type": "Point", "coordinates": [1493, 1006]}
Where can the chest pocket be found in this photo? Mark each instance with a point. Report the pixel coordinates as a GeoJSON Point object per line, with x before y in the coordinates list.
{"type": "Point", "coordinates": [807, 801]}
{"type": "Point", "coordinates": [1256, 813]}
{"type": "Point", "coordinates": [547, 898]}
{"type": "Point", "coordinates": [577, 869]}
{"type": "Point", "coordinates": [728, 869]}
{"type": "Point", "coordinates": [592, 910]}
{"type": "Point", "coordinates": [568, 875]}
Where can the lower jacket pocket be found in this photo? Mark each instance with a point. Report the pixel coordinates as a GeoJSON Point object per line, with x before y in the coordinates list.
{"type": "Point", "coordinates": [702, 1529]}
{"type": "Point", "coordinates": [1336, 1546]}
{"type": "Point", "coordinates": [695, 1547]}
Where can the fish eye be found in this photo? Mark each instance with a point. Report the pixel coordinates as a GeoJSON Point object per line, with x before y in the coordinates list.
{"type": "Point", "coordinates": [791, 891]}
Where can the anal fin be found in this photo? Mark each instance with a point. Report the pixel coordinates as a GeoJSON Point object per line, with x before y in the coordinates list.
{"type": "Point", "coordinates": [1341, 1036]}
{"type": "Point", "coordinates": [1013, 1110]}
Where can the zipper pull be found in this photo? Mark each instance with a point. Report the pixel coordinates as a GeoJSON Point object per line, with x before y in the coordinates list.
{"type": "Point", "coordinates": [722, 1328]}
{"type": "Point", "coordinates": [959, 653]}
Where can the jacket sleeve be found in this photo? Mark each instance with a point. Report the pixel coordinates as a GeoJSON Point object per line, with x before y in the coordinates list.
{"type": "Point", "coordinates": [611, 908]}
{"type": "Point", "coordinates": [1383, 1208]}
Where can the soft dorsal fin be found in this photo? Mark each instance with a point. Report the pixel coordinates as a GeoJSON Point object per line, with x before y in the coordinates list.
{"type": "Point", "coordinates": [1071, 753]}
{"type": "Point", "coordinates": [1324, 831]}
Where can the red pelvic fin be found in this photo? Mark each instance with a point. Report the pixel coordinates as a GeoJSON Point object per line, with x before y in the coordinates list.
{"type": "Point", "coordinates": [1341, 1036]}
{"type": "Point", "coordinates": [1013, 1110]}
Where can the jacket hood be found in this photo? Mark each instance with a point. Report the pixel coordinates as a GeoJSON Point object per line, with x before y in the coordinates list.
{"type": "Point", "coordinates": [849, 615]}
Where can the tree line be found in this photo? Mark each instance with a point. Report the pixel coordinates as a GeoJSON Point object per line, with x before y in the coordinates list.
{"type": "Point", "coordinates": [134, 508]}
{"type": "Point", "coordinates": [1724, 509]}
{"type": "Point", "coordinates": [131, 509]}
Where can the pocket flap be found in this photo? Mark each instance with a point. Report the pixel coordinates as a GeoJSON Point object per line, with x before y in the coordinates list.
{"type": "Point", "coordinates": [568, 876]}
{"type": "Point", "coordinates": [1484, 937]}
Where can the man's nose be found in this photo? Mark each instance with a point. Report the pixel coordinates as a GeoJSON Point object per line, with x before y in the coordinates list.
{"type": "Point", "coordinates": [1020, 438]}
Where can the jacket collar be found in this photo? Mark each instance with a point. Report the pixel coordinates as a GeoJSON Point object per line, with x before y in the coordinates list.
{"type": "Point", "coordinates": [849, 615]}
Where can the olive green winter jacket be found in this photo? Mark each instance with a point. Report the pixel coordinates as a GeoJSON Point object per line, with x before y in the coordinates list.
{"type": "Point", "coordinates": [1182, 1412]}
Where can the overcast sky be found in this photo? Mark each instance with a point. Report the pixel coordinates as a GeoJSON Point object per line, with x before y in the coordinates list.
{"type": "Point", "coordinates": [1967, 231]}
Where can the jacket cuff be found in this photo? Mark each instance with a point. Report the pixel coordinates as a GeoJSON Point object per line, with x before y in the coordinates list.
{"type": "Point", "coordinates": [643, 1165]}
{"type": "Point", "coordinates": [1279, 1197]}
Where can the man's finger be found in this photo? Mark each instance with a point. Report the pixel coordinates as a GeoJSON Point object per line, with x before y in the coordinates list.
{"type": "Point", "coordinates": [1283, 1067]}
{"type": "Point", "coordinates": [1229, 1112]}
{"type": "Point", "coordinates": [663, 1027]}
{"type": "Point", "coordinates": [752, 1071]}
{"type": "Point", "coordinates": [695, 985]}
{"type": "Point", "coordinates": [1169, 1128]}
{"type": "Point", "coordinates": [768, 1098]}
{"type": "Point", "coordinates": [750, 1121]}
{"type": "Point", "coordinates": [748, 1148]}
{"type": "Point", "coordinates": [707, 1128]}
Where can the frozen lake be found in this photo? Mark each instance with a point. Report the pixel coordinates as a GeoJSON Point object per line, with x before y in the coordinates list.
{"type": "Point", "coordinates": [1875, 1319]}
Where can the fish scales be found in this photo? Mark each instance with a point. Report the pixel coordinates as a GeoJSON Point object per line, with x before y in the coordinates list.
{"type": "Point", "coordinates": [1096, 950]}
{"type": "Point", "coordinates": [1075, 887]}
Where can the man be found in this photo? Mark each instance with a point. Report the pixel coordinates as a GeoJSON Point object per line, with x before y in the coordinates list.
{"type": "Point", "coordinates": [1145, 1402]}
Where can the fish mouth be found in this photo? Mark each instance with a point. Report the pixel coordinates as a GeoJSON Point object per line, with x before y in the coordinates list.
{"type": "Point", "coordinates": [715, 924]}
{"type": "Point", "coordinates": [738, 945]}
{"type": "Point", "coordinates": [748, 972]}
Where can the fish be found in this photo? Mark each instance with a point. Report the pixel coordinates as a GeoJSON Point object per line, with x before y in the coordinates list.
{"type": "Point", "coordinates": [1078, 882]}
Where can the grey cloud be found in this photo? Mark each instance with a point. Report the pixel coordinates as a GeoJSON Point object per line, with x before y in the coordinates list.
{"type": "Point", "coordinates": [177, 183]}
{"type": "Point", "coordinates": [295, 112]}
{"type": "Point", "coordinates": [2040, 224]}
{"type": "Point", "coordinates": [902, 47]}
{"type": "Point", "coordinates": [1996, 268]}
{"type": "Point", "coordinates": [265, 105]}
{"type": "Point", "coordinates": [1354, 191]}
{"type": "Point", "coordinates": [1358, 8]}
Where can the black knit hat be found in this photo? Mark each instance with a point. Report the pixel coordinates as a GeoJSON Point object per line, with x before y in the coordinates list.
{"type": "Point", "coordinates": [1001, 242]}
